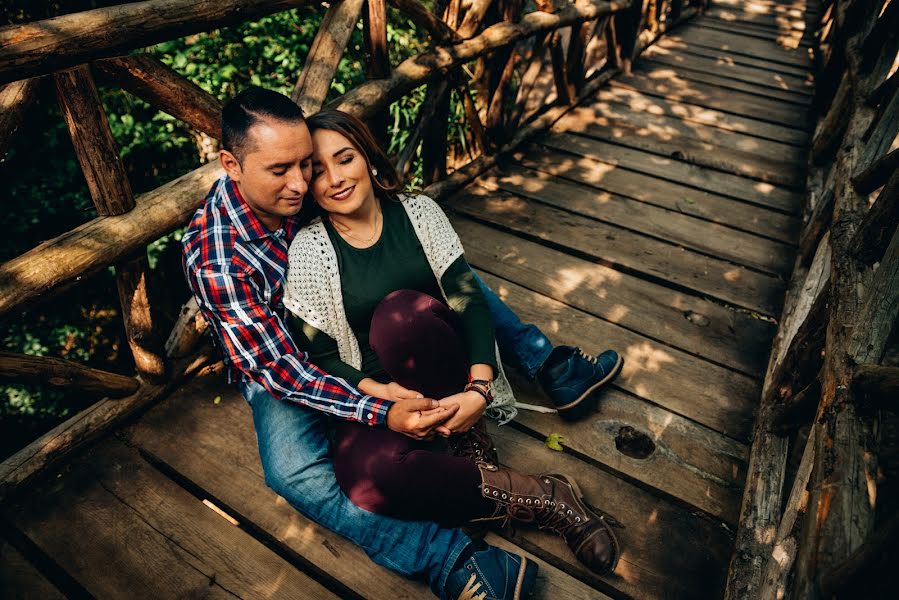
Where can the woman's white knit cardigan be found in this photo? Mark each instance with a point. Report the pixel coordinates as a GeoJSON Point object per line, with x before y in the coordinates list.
{"type": "Point", "coordinates": [313, 291]}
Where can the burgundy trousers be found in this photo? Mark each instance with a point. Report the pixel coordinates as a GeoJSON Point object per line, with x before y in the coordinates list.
{"type": "Point", "coordinates": [419, 347]}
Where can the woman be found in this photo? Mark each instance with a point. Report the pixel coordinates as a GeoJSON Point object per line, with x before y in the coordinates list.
{"type": "Point", "coordinates": [382, 296]}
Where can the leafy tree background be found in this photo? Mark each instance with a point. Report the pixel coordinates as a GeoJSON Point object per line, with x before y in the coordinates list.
{"type": "Point", "coordinates": [46, 194]}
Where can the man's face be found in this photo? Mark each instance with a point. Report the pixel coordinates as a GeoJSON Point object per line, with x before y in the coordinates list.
{"type": "Point", "coordinates": [274, 174]}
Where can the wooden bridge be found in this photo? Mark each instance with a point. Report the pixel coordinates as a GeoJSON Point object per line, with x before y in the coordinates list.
{"type": "Point", "coordinates": [667, 212]}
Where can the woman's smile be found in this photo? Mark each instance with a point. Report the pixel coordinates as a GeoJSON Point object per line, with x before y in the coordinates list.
{"type": "Point", "coordinates": [344, 194]}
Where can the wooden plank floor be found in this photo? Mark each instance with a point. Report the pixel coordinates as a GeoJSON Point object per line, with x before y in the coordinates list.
{"type": "Point", "coordinates": [659, 219]}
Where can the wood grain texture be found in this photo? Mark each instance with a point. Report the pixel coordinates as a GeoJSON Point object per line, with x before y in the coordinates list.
{"type": "Point", "coordinates": [672, 169]}
{"type": "Point", "coordinates": [15, 98]}
{"type": "Point", "coordinates": [21, 579]}
{"type": "Point", "coordinates": [674, 227]}
{"type": "Point", "coordinates": [44, 46]}
{"type": "Point", "coordinates": [703, 328]}
{"type": "Point", "coordinates": [115, 509]}
{"type": "Point", "coordinates": [325, 53]}
{"type": "Point", "coordinates": [150, 79]}
{"type": "Point", "coordinates": [703, 146]}
{"type": "Point", "coordinates": [57, 372]}
{"type": "Point", "coordinates": [95, 147]}
{"type": "Point", "coordinates": [666, 82]}
{"type": "Point", "coordinates": [603, 178]}
{"type": "Point", "coordinates": [623, 248]}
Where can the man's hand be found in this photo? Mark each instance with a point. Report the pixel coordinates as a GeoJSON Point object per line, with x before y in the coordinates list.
{"type": "Point", "coordinates": [418, 418]}
{"type": "Point", "coordinates": [471, 406]}
{"type": "Point", "coordinates": [388, 391]}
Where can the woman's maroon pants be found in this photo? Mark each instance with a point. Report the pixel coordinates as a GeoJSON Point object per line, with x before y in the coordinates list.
{"type": "Point", "coordinates": [419, 347]}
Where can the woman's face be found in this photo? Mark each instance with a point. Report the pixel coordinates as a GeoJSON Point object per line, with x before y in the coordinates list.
{"type": "Point", "coordinates": [341, 182]}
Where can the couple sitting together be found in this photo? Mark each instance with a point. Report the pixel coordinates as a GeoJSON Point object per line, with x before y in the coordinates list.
{"type": "Point", "coordinates": [369, 353]}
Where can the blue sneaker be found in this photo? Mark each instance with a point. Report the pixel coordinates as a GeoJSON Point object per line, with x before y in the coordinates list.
{"type": "Point", "coordinates": [492, 574]}
{"type": "Point", "coordinates": [573, 379]}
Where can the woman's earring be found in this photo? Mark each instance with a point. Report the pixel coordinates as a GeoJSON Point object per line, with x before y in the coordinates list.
{"type": "Point", "coordinates": [374, 172]}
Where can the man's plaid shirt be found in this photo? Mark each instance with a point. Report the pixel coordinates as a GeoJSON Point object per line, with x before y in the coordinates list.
{"type": "Point", "coordinates": [236, 267]}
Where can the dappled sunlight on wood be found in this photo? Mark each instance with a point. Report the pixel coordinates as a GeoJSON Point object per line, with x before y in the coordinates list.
{"type": "Point", "coordinates": [643, 358]}
{"type": "Point", "coordinates": [733, 275]}
{"type": "Point", "coordinates": [570, 278]}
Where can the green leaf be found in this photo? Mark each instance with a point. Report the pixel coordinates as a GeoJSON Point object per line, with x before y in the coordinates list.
{"type": "Point", "coordinates": [217, 400]}
{"type": "Point", "coordinates": [554, 441]}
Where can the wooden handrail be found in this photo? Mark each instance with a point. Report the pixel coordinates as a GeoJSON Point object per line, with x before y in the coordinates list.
{"type": "Point", "coordinates": [44, 46]}
{"type": "Point", "coordinates": [60, 373]}
{"type": "Point", "coordinates": [369, 97]}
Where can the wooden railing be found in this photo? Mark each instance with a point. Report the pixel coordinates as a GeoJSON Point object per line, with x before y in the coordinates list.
{"type": "Point", "coordinates": [588, 41]}
{"type": "Point", "coordinates": [825, 383]}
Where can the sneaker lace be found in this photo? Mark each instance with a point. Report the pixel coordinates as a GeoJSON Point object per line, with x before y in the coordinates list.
{"type": "Point", "coordinates": [586, 356]}
{"type": "Point", "coordinates": [471, 588]}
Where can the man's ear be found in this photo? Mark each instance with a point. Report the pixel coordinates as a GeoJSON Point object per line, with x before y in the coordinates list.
{"type": "Point", "coordinates": [230, 164]}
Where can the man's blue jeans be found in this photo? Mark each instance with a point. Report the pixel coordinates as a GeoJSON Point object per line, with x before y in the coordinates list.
{"type": "Point", "coordinates": [295, 453]}
{"type": "Point", "coordinates": [294, 448]}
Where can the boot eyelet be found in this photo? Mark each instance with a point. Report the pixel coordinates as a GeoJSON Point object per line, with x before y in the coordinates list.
{"type": "Point", "coordinates": [562, 505]}
{"type": "Point", "coordinates": [546, 481]}
{"type": "Point", "coordinates": [569, 512]}
{"type": "Point", "coordinates": [577, 519]}
{"type": "Point", "coordinates": [469, 567]}
{"type": "Point", "coordinates": [528, 501]}
{"type": "Point", "coordinates": [504, 496]}
{"type": "Point", "coordinates": [538, 502]}
{"type": "Point", "coordinates": [495, 493]}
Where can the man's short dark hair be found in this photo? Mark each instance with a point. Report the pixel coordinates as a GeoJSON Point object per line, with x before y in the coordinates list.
{"type": "Point", "coordinates": [248, 108]}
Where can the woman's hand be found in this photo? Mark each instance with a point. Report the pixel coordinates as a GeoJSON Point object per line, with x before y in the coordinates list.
{"type": "Point", "coordinates": [388, 391]}
{"type": "Point", "coordinates": [471, 406]}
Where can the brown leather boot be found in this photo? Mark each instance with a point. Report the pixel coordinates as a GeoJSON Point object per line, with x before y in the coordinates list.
{"type": "Point", "coordinates": [475, 445]}
{"type": "Point", "coordinates": [553, 502]}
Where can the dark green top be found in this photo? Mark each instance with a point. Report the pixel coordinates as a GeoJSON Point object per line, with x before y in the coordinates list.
{"type": "Point", "coordinates": [395, 262]}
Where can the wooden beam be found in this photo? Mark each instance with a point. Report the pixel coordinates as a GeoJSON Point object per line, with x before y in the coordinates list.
{"type": "Point", "coordinates": [89, 424]}
{"type": "Point", "coordinates": [369, 97]}
{"type": "Point", "coordinates": [327, 49]}
{"type": "Point", "coordinates": [783, 553]}
{"type": "Point", "coordinates": [878, 384]}
{"type": "Point", "coordinates": [877, 174]}
{"type": "Point", "coordinates": [529, 79]}
{"type": "Point", "coordinates": [94, 146]}
{"type": "Point", "coordinates": [132, 277]}
{"type": "Point", "coordinates": [883, 132]}
{"type": "Point", "coordinates": [870, 241]}
{"type": "Point", "coordinates": [474, 17]}
{"type": "Point", "coordinates": [41, 47]}
{"type": "Point", "coordinates": [463, 176]}
{"type": "Point", "coordinates": [62, 261]}
{"type": "Point", "coordinates": [760, 512]}
{"type": "Point", "coordinates": [830, 130]}
{"type": "Point", "coordinates": [374, 26]}
{"type": "Point", "coordinates": [150, 79]}
{"type": "Point", "coordinates": [60, 373]}
{"type": "Point", "coordinates": [424, 121]}
{"type": "Point", "coordinates": [439, 31]}
{"type": "Point", "coordinates": [186, 333]}
{"type": "Point", "coordinates": [479, 137]}
{"type": "Point", "coordinates": [877, 316]}
{"type": "Point", "coordinates": [15, 98]}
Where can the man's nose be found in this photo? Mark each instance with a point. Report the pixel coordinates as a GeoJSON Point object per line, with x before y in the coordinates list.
{"type": "Point", "coordinates": [298, 183]}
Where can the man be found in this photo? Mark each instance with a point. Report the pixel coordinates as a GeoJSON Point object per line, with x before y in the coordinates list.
{"type": "Point", "coordinates": [235, 259]}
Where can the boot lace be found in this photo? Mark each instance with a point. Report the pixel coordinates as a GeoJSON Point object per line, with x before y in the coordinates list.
{"type": "Point", "coordinates": [587, 357]}
{"type": "Point", "coordinates": [471, 588]}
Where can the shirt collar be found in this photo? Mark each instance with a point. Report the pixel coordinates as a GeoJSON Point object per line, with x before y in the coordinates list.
{"type": "Point", "coordinates": [245, 221]}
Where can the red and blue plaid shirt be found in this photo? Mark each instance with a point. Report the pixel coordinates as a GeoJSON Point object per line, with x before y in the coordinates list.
{"type": "Point", "coordinates": [236, 267]}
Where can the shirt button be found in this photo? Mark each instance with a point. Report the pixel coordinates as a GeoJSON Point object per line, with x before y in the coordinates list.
{"type": "Point", "coordinates": [370, 416]}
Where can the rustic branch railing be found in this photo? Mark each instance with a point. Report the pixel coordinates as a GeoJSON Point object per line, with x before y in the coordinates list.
{"type": "Point", "coordinates": [824, 373]}
{"type": "Point", "coordinates": [507, 46]}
